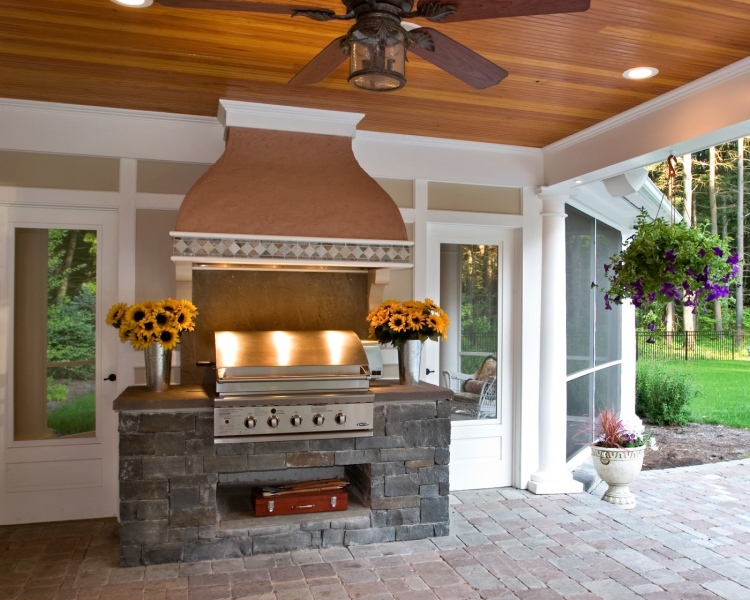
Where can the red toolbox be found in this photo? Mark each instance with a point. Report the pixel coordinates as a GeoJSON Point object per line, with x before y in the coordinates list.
{"type": "Point", "coordinates": [299, 503]}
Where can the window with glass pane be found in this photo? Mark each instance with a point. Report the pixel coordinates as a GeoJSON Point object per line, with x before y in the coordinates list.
{"type": "Point", "coordinates": [580, 424]}
{"type": "Point", "coordinates": [579, 257]}
{"type": "Point", "coordinates": [607, 389]}
{"type": "Point", "coordinates": [594, 334]}
{"type": "Point", "coordinates": [479, 289]}
{"type": "Point", "coordinates": [608, 325]}
{"type": "Point", "coordinates": [54, 334]}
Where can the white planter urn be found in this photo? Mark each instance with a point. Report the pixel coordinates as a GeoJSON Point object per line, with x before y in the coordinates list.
{"type": "Point", "coordinates": [618, 467]}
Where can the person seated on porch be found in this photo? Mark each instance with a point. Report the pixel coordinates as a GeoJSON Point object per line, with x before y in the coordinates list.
{"type": "Point", "coordinates": [474, 395]}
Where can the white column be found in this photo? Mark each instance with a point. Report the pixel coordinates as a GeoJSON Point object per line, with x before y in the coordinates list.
{"type": "Point", "coordinates": [553, 477]}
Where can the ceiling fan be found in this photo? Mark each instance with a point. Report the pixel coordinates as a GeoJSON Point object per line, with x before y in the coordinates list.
{"type": "Point", "coordinates": [377, 43]}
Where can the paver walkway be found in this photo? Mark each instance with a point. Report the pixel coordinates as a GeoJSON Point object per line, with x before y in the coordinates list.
{"type": "Point", "coordinates": [688, 538]}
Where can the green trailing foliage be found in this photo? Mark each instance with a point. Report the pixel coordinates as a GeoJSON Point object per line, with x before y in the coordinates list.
{"type": "Point", "coordinates": [662, 394]}
{"type": "Point", "coordinates": [664, 262]}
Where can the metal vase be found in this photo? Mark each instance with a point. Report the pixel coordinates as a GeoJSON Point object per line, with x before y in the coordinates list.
{"type": "Point", "coordinates": [158, 368]}
{"type": "Point", "coordinates": [409, 360]}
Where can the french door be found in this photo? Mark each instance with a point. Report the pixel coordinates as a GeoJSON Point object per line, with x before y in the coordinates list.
{"type": "Point", "coordinates": [58, 440]}
{"type": "Point", "coordinates": [470, 275]}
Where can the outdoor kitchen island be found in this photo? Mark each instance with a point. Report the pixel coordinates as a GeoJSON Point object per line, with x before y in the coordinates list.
{"type": "Point", "coordinates": [184, 497]}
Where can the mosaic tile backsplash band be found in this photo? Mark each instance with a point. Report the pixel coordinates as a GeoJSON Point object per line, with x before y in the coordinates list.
{"type": "Point", "coordinates": [302, 250]}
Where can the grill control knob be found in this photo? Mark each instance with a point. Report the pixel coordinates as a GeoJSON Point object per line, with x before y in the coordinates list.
{"type": "Point", "coordinates": [250, 422]}
{"type": "Point", "coordinates": [318, 419]}
{"type": "Point", "coordinates": [273, 421]}
{"type": "Point", "coordinates": [296, 420]}
{"type": "Point", "coordinates": [341, 418]}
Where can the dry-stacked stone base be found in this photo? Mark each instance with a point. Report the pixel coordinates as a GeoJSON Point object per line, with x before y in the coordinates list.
{"type": "Point", "coordinates": [185, 498]}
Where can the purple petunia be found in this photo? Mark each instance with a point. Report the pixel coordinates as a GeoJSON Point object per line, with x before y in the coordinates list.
{"type": "Point", "coordinates": [670, 256]}
{"type": "Point", "coordinates": [718, 251]}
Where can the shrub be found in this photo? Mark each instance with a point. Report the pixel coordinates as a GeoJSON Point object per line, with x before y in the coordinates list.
{"type": "Point", "coordinates": [56, 392]}
{"type": "Point", "coordinates": [662, 394]}
{"type": "Point", "coordinates": [71, 335]}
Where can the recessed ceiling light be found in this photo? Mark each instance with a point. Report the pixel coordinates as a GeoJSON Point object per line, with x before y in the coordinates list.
{"type": "Point", "coordinates": [579, 181]}
{"type": "Point", "coordinates": [640, 73]}
{"type": "Point", "coordinates": [134, 3]}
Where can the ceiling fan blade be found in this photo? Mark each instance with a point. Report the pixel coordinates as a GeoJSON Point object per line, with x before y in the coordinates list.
{"type": "Point", "coordinates": [237, 5]}
{"type": "Point", "coordinates": [459, 61]}
{"type": "Point", "coordinates": [324, 63]}
{"type": "Point", "coordinates": [473, 10]}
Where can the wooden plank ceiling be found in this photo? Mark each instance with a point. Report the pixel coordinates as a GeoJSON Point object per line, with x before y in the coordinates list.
{"type": "Point", "coordinates": [565, 70]}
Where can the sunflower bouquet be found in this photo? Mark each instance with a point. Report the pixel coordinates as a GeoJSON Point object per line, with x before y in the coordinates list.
{"type": "Point", "coordinates": [146, 323]}
{"type": "Point", "coordinates": [397, 322]}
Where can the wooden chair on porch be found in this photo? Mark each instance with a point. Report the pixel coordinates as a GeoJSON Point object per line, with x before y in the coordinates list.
{"type": "Point", "coordinates": [474, 395]}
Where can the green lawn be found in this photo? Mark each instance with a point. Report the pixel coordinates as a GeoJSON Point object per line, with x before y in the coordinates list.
{"type": "Point", "coordinates": [78, 416]}
{"type": "Point", "coordinates": [725, 391]}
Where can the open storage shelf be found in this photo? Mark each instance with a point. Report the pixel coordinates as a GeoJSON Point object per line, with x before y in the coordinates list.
{"type": "Point", "coordinates": [235, 505]}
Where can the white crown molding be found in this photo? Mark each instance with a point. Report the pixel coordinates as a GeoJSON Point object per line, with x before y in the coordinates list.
{"type": "Point", "coordinates": [30, 126]}
{"type": "Point", "coordinates": [100, 111]}
{"type": "Point", "coordinates": [738, 69]}
{"type": "Point", "coordinates": [445, 144]}
{"type": "Point", "coordinates": [233, 113]}
{"type": "Point", "coordinates": [435, 159]}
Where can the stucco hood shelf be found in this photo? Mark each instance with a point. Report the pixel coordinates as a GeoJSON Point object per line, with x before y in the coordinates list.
{"type": "Point", "coordinates": [288, 193]}
{"type": "Point", "coordinates": [289, 190]}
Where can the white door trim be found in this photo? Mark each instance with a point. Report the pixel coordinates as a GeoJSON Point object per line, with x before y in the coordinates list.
{"type": "Point", "coordinates": [481, 450]}
{"type": "Point", "coordinates": [60, 479]}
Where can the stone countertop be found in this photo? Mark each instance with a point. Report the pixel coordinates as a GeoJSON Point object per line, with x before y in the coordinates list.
{"type": "Point", "coordinates": [182, 397]}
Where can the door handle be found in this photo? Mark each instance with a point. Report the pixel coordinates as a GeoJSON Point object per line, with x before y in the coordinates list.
{"type": "Point", "coordinates": [111, 377]}
{"type": "Point", "coordinates": [429, 371]}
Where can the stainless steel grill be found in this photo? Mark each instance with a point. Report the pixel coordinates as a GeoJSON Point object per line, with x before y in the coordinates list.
{"type": "Point", "coordinates": [291, 385]}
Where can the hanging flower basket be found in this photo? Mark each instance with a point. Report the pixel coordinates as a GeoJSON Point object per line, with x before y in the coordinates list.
{"type": "Point", "coordinates": [664, 262]}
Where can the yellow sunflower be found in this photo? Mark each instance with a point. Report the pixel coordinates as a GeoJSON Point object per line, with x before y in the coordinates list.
{"type": "Point", "coordinates": [125, 334]}
{"type": "Point", "coordinates": [436, 323]}
{"type": "Point", "coordinates": [185, 315]}
{"type": "Point", "coordinates": [169, 305]}
{"type": "Point", "coordinates": [168, 339]}
{"type": "Point", "coordinates": [137, 312]}
{"type": "Point", "coordinates": [140, 341]}
{"type": "Point", "coordinates": [397, 322]}
{"type": "Point", "coordinates": [116, 314]}
{"type": "Point", "coordinates": [416, 321]}
{"type": "Point", "coordinates": [146, 331]}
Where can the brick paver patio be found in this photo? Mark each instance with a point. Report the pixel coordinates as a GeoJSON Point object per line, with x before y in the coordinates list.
{"type": "Point", "coordinates": [688, 538]}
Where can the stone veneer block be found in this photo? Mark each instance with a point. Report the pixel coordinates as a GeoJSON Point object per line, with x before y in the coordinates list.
{"type": "Point", "coordinates": [174, 506]}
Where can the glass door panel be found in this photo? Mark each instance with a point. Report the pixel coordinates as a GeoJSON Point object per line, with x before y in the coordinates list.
{"type": "Point", "coordinates": [470, 289]}
{"type": "Point", "coordinates": [54, 345]}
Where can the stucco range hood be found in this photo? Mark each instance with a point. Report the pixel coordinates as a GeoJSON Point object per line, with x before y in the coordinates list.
{"type": "Point", "coordinates": [288, 193]}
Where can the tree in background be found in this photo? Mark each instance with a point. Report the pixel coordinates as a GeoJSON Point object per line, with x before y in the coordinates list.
{"type": "Point", "coordinates": [688, 316]}
{"type": "Point", "coordinates": [739, 321]}
{"type": "Point", "coordinates": [71, 301]}
{"type": "Point", "coordinates": [713, 191]}
{"type": "Point", "coordinates": [479, 297]}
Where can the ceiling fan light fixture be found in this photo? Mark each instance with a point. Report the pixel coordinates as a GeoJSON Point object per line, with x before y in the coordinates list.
{"type": "Point", "coordinates": [377, 54]}
{"type": "Point", "coordinates": [640, 73]}
{"type": "Point", "coordinates": [134, 3]}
